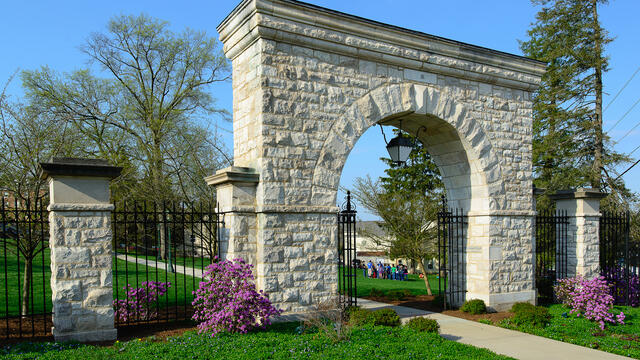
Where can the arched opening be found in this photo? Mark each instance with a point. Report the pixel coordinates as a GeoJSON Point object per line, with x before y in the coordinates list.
{"type": "Point", "coordinates": [454, 141]}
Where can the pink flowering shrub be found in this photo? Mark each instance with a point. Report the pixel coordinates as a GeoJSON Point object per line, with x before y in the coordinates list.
{"type": "Point", "coordinates": [589, 298]}
{"type": "Point", "coordinates": [140, 303]}
{"type": "Point", "coordinates": [227, 300]}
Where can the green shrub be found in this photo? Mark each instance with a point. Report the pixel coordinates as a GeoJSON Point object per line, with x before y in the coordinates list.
{"type": "Point", "coordinates": [376, 293]}
{"type": "Point", "coordinates": [521, 306]}
{"type": "Point", "coordinates": [536, 316]}
{"type": "Point", "coordinates": [474, 306]}
{"type": "Point", "coordinates": [382, 317]}
{"type": "Point", "coordinates": [386, 317]}
{"type": "Point", "coordinates": [398, 294]}
{"type": "Point", "coordinates": [485, 321]}
{"type": "Point", "coordinates": [360, 317]}
{"type": "Point", "coordinates": [423, 324]}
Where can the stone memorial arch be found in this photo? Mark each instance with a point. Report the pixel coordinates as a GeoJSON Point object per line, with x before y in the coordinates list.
{"type": "Point", "coordinates": [308, 82]}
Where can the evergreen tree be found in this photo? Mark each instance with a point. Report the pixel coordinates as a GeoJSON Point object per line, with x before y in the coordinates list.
{"type": "Point", "coordinates": [570, 148]}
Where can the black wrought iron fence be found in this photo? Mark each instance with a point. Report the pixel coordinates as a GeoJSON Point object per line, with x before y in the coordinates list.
{"type": "Point", "coordinates": [452, 280]}
{"type": "Point", "coordinates": [551, 251]}
{"type": "Point", "coordinates": [620, 258]}
{"type": "Point", "coordinates": [161, 252]}
{"type": "Point", "coordinates": [25, 291]}
{"type": "Point", "coordinates": [347, 254]}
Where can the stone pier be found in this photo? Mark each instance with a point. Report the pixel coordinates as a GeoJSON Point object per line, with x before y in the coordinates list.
{"type": "Point", "coordinates": [81, 248]}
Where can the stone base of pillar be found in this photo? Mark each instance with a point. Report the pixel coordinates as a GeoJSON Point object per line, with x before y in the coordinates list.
{"type": "Point", "coordinates": [85, 336]}
{"type": "Point", "coordinates": [504, 301]}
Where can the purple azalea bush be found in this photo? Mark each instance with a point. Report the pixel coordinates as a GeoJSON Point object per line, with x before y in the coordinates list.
{"type": "Point", "coordinates": [618, 278]}
{"type": "Point", "coordinates": [589, 298]}
{"type": "Point", "coordinates": [227, 300]}
{"type": "Point", "coordinates": [140, 303]}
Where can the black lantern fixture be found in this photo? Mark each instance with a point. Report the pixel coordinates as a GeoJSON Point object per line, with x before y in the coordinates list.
{"type": "Point", "coordinates": [399, 148]}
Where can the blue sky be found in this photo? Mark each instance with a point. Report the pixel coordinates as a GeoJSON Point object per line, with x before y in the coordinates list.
{"type": "Point", "coordinates": [37, 33]}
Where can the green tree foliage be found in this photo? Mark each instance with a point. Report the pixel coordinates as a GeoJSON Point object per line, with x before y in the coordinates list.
{"type": "Point", "coordinates": [570, 148]}
{"type": "Point", "coordinates": [419, 175]}
{"type": "Point", "coordinates": [407, 201]}
{"type": "Point", "coordinates": [144, 105]}
{"type": "Point", "coordinates": [28, 136]}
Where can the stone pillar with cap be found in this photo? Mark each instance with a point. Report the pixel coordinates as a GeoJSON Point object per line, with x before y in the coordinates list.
{"type": "Point", "coordinates": [583, 248]}
{"type": "Point", "coordinates": [81, 248]}
{"type": "Point", "coordinates": [236, 196]}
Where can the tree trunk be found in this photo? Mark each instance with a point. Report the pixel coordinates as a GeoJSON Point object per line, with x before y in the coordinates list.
{"type": "Point", "coordinates": [162, 251]}
{"type": "Point", "coordinates": [26, 288]}
{"type": "Point", "coordinates": [599, 147]}
{"type": "Point", "coordinates": [423, 269]}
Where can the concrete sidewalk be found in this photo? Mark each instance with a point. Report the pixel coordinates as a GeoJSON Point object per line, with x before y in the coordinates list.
{"type": "Point", "coordinates": [198, 273]}
{"type": "Point", "coordinates": [502, 341]}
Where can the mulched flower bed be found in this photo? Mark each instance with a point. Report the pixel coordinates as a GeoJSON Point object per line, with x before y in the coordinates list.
{"type": "Point", "coordinates": [160, 329]}
{"type": "Point", "coordinates": [428, 303]}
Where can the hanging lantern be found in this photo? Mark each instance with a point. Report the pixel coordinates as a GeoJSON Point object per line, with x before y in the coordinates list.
{"type": "Point", "coordinates": [399, 149]}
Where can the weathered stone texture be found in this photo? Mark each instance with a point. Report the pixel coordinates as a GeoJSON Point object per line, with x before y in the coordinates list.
{"type": "Point", "coordinates": [81, 259]}
{"type": "Point", "coordinates": [304, 92]}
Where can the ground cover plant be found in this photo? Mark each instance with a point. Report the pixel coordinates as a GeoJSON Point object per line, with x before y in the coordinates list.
{"type": "Point", "coordinates": [564, 326]}
{"type": "Point", "coordinates": [279, 341]}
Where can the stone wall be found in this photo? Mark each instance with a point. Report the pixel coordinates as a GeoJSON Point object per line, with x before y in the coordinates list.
{"type": "Point", "coordinates": [81, 260]}
{"type": "Point", "coordinates": [309, 82]}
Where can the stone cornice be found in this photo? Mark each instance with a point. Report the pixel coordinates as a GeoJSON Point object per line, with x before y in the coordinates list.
{"type": "Point", "coordinates": [319, 28]}
{"type": "Point", "coordinates": [581, 193]}
{"type": "Point", "coordinates": [233, 174]}
{"type": "Point", "coordinates": [80, 207]}
{"type": "Point", "coordinates": [79, 167]}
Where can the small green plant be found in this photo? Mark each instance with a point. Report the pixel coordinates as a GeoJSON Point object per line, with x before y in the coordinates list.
{"type": "Point", "coordinates": [474, 306]}
{"type": "Point", "coordinates": [521, 306]}
{"type": "Point", "coordinates": [382, 317]}
{"type": "Point", "coordinates": [506, 323]}
{"type": "Point", "coordinates": [360, 317]}
{"type": "Point", "coordinates": [485, 321]}
{"type": "Point", "coordinates": [386, 317]}
{"type": "Point", "coordinates": [536, 316]}
{"type": "Point", "coordinates": [398, 294]}
{"type": "Point", "coordinates": [376, 293]}
{"type": "Point", "coordinates": [423, 324]}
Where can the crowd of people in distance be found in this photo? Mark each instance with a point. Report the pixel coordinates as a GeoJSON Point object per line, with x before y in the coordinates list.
{"type": "Point", "coordinates": [384, 271]}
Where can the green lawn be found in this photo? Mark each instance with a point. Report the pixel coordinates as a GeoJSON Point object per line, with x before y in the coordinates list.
{"type": "Point", "coordinates": [618, 339]}
{"type": "Point", "coordinates": [180, 284]}
{"type": "Point", "coordinates": [413, 284]}
{"type": "Point", "coordinates": [279, 341]}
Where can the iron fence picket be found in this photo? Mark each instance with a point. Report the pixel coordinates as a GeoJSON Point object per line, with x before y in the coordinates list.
{"type": "Point", "coordinates": [346, 218]}
{"type": "Point", "coordinates": [169, 226]}
{"type": "Point", "coordinates": [551, 251]}
{"type": "Point", "coordinates": [619, 257]}
{"type": "Point", "coordinates": [24, 233]}
{"type": "Point", "coordinates": [452, 225]}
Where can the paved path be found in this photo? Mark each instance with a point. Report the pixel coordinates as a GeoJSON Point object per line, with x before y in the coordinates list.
{"type": "Point", "coordinates": [164, 266]}
{"type": "Point", "coordinates": [502, 341]}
